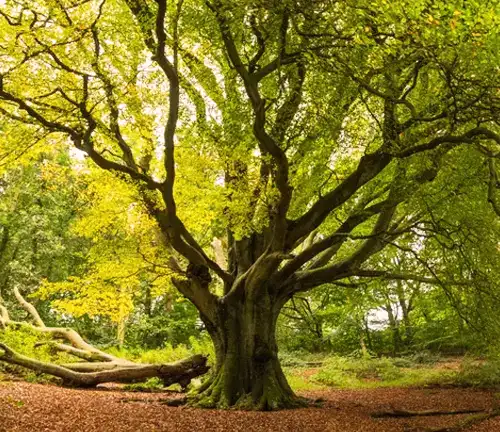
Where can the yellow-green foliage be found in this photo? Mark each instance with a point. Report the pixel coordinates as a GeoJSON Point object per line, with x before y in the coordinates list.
{"type": "Point", "coordinates": [203, 346]}
{"type": "Point", "coordinates": [24, 339]}
{"type": "Point", "coordinates": [125, 248]}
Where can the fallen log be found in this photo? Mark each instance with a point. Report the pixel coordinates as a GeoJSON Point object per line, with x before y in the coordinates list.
{"type": "Point", "coordinates": [463, 425]}
{"type": "Point", "coordinates": [179, 372]}
{"type": "Point", "coordinates": [477, 416]}
{"type": "Point", "coordinates": [100, 367]}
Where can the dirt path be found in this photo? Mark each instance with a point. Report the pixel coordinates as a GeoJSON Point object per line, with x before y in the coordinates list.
{"type": "Point", "coordinates": [33, 407]}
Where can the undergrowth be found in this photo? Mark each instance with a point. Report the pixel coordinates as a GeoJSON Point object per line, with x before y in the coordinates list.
{"type": "Point", "coordinates": [481, 374]}
{"type": "Point", "coordinates": [305, 371]}
{"type": "Point", "coordinates": [151, 385]}
{"type": "Point", "coordinates": [168, 353]}
{"type": "Point", "coordinates": [354, 373]}
{"type": "Point", "coordinates": [32, 344]}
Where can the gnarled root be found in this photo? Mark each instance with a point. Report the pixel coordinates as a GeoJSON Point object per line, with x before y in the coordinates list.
{"type": "Point", "coordinates": [267, 395]}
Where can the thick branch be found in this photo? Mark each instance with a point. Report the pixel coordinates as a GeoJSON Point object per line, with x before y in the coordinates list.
{"type": "Point", "coordinates": [81, 140]}
{"type": "Point", "coordinates": [334, 240]}
{"type": "Point", "coordinates": [466, 138]}
{"type": "Point", "coordinates": [28, 307]}
{"type": "Point", "coordinates": [91, 356]}
{"type": "Point", "coordinates": [368, 167]}
{"type": "Point", "coordinates": [400, 276]}
{"type": "Point", "coordinates": [68, 334]}
{"type": "Point", "coordinates": [267, 144]}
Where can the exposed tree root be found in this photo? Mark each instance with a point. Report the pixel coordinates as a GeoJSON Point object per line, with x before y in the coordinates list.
{"type": "Point", "coordinates": [478, 417]}
{"type": "Point", "coordinates": [214, 394]}
{"type": "Point", "coordinates": [425, 413]}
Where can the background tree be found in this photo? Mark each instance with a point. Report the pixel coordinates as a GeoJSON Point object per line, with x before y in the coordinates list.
{"type": "Point", "coordinates": [37, 207]}
{"type": "Point", "coordinates": [126, 269]}
{"type": "Point", "coordinates": [302, 133]}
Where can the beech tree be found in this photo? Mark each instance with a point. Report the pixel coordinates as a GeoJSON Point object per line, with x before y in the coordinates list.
{"type": "Point", "coordinates": [297, 133]}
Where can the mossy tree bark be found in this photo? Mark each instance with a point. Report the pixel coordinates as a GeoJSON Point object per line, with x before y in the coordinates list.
{"type": "Point", "coordinates": [242, 325]}
{"type": "Point", "coordinates": [247, 373]}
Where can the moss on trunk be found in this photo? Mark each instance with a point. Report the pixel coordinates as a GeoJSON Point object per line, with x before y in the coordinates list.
{"type": "Point", "coordinates": [247, 374]}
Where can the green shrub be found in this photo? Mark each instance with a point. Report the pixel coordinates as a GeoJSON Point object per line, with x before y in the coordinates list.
{"type": "Point", "coordinates": [203, 345]}
{"type": "Point", "coordinates": [168, 353]}
{"type": "Point", "coordinates": [479, 374]}
{"type": "Point", "coordinates": [348, 372]}
{"type": "Point", "coordinates": [34, 344]}
{"type": "Point", "coordinates": [365, 368]}
{"type": "Point", "coordinates": [24, 341]}
{"type": "Point", "coordinates": [425, 357]}
{"type": "Point", "coordinates": [403, 362]}
{"type": "Point", "coordinates": [176, 327]}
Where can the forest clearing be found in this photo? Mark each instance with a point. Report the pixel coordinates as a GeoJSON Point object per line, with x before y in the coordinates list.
{"type": "Point", "coordinates": [250, 215]}
{"type": "Point", "coordinates": [28, 407]}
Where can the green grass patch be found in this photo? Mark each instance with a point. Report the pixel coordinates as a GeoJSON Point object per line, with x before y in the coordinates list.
{"type": "Point", "coordinates": [299, 381]}
{"type": "Point", "coordinates": [359, 373]}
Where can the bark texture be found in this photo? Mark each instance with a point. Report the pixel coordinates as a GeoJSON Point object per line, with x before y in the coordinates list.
{"type": "Point", "coordinates": [247, 374]}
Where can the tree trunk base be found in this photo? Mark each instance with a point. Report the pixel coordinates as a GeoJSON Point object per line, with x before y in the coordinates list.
{"type": "Point", "coordinates": [267, 395]}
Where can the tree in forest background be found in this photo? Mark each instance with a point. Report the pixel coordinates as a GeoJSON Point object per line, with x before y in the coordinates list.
{"type": "Point", "coordinates": [37, 207]}
{"type": "Point", "coordinates": [126, 270]}
{"type": "Point", "coordinates": [302, 135]}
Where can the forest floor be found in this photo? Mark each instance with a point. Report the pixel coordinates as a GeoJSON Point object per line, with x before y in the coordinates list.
{"type": "Point", "coordinates": [27, 407]}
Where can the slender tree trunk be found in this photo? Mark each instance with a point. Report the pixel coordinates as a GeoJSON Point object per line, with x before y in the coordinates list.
{"type": "Point", "coordinates": [406, 307]}
{"type": "Point", "coordinates": [120, 332]}
{"type": "Point", "coordinates": [408, 328]}
{"type": "Point", "coordinates": [247, 373]}
{"type": "Point", "coordinates": [368, 334]}
{"type": "Point", "coordinates": [396, 337]}
{"type": "Point", "coordinates": [364, 350]}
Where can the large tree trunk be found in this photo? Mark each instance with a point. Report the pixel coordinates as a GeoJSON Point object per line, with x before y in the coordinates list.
{"type": "Point", "coordinates": [247, 373]}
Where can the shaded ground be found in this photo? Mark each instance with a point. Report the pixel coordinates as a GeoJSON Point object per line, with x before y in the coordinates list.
{"type": "Point", "coordinates": [34, 407]}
